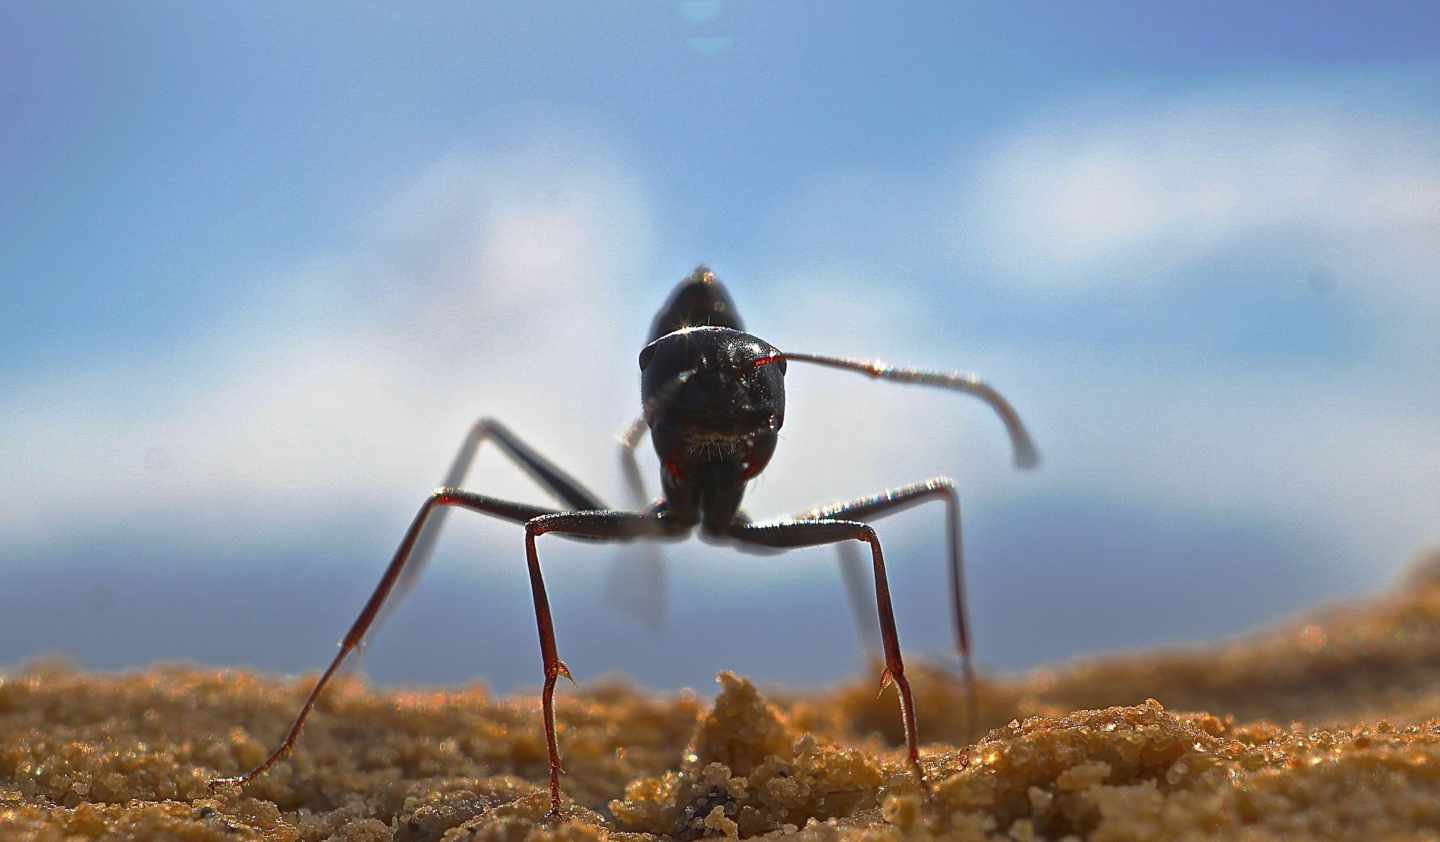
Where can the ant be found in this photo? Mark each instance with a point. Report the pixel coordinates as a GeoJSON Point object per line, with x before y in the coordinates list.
{"type": "Point", "coordinates": [714, 402]}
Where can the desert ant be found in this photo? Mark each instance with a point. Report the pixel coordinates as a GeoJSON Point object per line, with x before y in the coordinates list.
{"type": "Point", "coordinates": [714, 401]}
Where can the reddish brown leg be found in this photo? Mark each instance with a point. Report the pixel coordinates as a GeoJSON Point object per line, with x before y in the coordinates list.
{"type": "Point", "coordinates": [597, 525]}
{"type": "Point", "coordinates": [442, 497]}
{"type": "Point", "coordinates": [898, 499]}
{"type": "Point", "coordinates": [555, 480]}
{"type": "Point", "coordinates": [817, 531]}
{"type": "Point", "coordinates": [550, 660]}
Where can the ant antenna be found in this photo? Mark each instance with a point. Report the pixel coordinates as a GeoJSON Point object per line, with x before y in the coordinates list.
{"type": "Point", "coordinates": [1026, 454]}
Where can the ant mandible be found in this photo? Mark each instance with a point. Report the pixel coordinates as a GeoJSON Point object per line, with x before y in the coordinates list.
{"type": "Point", "coordinates": [714, 402]}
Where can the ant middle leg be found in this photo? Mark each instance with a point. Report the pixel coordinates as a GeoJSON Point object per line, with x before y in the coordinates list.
{"type": "Point", "coordinates": [818, 530]}
{"type": "Point", "coordinates": [887, 503]}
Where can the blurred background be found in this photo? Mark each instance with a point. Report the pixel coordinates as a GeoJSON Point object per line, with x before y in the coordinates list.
{"type": "Point", "coordinates": [262, 266]}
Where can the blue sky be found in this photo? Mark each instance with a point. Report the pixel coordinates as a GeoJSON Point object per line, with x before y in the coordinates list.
{"type": "Point", "coordinates": [264, 264]}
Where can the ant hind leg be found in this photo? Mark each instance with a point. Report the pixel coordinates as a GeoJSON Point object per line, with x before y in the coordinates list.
{"type": "Point", "coordinates": [552, 478]}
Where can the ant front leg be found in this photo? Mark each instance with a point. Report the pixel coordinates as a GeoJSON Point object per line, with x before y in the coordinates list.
{"type": "Point", "coordinates": [439, 499]}
{"type": "Point", "coordinates": [810, 532]}
{"type": "Point", "coordinates": [598, 525]}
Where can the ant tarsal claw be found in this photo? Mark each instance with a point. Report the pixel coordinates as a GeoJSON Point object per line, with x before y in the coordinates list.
{"type": "Point", "coordinates": [886, 679]}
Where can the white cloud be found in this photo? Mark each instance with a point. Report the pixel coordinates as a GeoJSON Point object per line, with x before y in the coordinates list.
{"type": "Point", "coordinates": [486, 288]}
{"type": "Point", "coordinates": [1121, 194]}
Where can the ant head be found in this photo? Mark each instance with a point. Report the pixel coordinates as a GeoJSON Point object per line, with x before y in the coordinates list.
{"type": "Point", "coordinates": [713, 394]}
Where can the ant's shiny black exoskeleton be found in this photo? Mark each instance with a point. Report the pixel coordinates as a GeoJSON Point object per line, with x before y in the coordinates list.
{"type": "Point", "coordinates": [714, 401]}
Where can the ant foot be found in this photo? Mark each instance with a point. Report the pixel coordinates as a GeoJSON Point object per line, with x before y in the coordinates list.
{"type": "Point", "coordinates": [923, 781]}
{"type": "Point", "coordinates": [554, 813]}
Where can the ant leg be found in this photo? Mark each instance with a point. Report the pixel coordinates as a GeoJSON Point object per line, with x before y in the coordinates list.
{"type": "Point", "coordinates": [557, 482]}
{"type": "Point", "coordinates": [443, 497]}
{"type": "Point", "coordinates": [598, 525]}
{"type": "Point", "coordinates": [814, 531]}
{"type": "Point", "coordinates": [629, 439]}
{"type": "Point", "coordinates": [898, 499]}
{"type": "Point", "coordinates": [862, 606]}
{"type": "Point", "coordinates": [638, 586]}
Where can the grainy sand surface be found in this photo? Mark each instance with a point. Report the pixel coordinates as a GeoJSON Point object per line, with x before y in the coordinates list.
{"type": "Point", "coordinates": [1324, 728]}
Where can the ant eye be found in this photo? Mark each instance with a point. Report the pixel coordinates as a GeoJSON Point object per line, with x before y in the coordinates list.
{"type": "Point", "coordinates": [646, 354]}
{"type": "Point", "coordinates": [771, 360]}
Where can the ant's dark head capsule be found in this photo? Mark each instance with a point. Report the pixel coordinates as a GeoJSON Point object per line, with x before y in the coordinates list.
{"type": "Point", "coordinates": [713, 395]}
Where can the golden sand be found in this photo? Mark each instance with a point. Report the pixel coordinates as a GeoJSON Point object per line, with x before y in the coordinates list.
{"type": "Point", "coordinates": [1321, 729]}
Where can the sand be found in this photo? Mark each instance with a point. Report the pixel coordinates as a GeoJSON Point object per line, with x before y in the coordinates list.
{"type": "Point", "coordinates": [1323, 728]}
